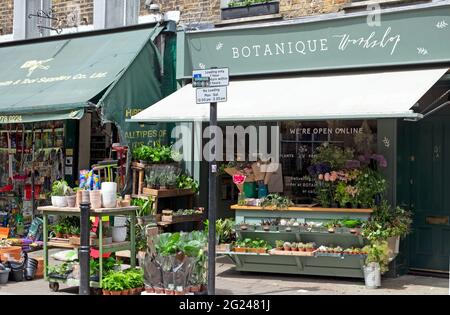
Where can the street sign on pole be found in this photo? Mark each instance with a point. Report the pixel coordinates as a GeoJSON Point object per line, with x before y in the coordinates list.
{"type": "Point", "coordinates": [211, 95]}
{"type": "Point", "coordinates": [211, 87]}
{"type": "Point", "coordinates": [211, 77]}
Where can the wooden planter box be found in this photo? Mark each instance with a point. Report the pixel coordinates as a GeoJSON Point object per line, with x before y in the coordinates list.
{"type": "Point", "coordinates": [181, 218]}
{"type": "Point", "coordinates": [93, 241]}
{"type": "Point", "coordinates": [251, 10]}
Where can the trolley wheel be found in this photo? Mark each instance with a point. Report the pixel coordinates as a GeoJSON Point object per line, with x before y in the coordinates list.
{"type": "Point", "coordinates": [54, 286]}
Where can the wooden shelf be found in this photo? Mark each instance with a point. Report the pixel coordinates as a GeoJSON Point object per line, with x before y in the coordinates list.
{"type": "Point", "coordinates": [102, 211]}
{"type": "Point", "coordinates": [119, 246]}
{"type": "Point", "coordinates": [303, 209]}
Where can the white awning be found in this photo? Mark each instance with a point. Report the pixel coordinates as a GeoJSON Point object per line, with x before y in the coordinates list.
{"type": "Point", "coordinates": [316, 97]}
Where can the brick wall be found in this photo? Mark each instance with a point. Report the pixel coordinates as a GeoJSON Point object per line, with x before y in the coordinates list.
{"type": "Point", "coordinates": [70, 12]}
{"type": "Point", "coordinates": [6, 16]}
{"type": "Point", "coordinates": [192, 11]}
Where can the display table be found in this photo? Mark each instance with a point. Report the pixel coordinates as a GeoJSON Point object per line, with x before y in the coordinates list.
{"type": "Point", "coordinates": [102, 248]}
{"type": "Point", "coordinates": [339, 266]}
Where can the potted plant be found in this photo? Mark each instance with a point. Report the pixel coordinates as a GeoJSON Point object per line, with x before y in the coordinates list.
{"type": "Point", "coordinates": [113, 283]}
{"type": "Point", "coordinates": [387, 224]}
{"type": "Point", "coordinates": [309, 247]}
{"type": "Point", "coordinates": [294, 247]}
{"type": "Point", "coordinates": [287, 246]}
{"type": "Point", "coordinates": [60, 189]}
{"type": "Point", "coordinates": [376, 263]}
{"type": "Point", "coordinates": [279, 245]}
{"type": "Point", "coordinates": [59, 229]}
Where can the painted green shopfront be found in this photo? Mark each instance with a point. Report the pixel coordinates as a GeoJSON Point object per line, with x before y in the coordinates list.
{"type": "Point", "coordinates": [63, 103]}
{"type": "Point", "coordinates": [342, 80]}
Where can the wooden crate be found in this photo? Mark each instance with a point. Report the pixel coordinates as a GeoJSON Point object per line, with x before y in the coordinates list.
{"type": "Point", "coordinates": [40, 269]}
{"type": "Point", "coordinates": [182, 218]}
{"type": "Point", "coordinates": [93, 241]}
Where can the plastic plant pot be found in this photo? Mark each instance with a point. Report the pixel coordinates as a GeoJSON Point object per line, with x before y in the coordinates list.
{"type": "Point", "coordinates": [4, 276]}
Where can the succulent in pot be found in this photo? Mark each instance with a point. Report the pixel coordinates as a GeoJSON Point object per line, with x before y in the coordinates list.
{"type": "Point", "coordinates": [294, 247]}
{"type": "Point", "coordinates": [279, 245]}
{"type": "Point", "coordinates": [287, 246]}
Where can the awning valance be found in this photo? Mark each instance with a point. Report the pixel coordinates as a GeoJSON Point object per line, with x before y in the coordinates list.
{"type": "Point", "coordinates": [316, 97]}
{"type": "Point", "coordinates": [58, 78]}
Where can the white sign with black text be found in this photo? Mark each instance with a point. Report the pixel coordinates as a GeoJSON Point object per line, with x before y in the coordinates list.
{"type": "Point", "coordinates": [211, 95]}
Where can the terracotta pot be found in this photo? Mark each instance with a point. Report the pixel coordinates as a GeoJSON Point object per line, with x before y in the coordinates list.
{"type": "Point", "coordinates": [195, 288]}
{"type": "Point", "coordinates": [95, 197]}
{"type": "Point", "coordinates": [59, 235]}
{"type": "Point", "coordinates": [115, 292]}
{"type": "Point", "coordinates": [106, 292]}
{"type": "Point", "coordinates": [159, 290]}
{"type": "Point", "coordinates": [79, 198]}
{"type": "Point", "coordinates": [71, 201]}
{"type": "Point", "coordinates": [180, 293]}
{"type": "Point", "coordinates": [149, 290]}
{"type": "Point", "coordinates": [125, 292]}
{"type": "Point", "coordinates": [239, 249]}
{"type": "Point", "coordinates": [287, 248]}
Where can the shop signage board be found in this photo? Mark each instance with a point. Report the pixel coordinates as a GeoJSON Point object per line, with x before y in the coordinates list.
{"type": "Point", "coordinates": [413, 36]}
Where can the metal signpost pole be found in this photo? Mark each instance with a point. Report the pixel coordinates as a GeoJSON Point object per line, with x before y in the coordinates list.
{"type": "Point", "coordinates": [212, 206]}
{"type": "Point", "coordinates": [84, 250]}
{"type": "Point", "coordinates": [211, 87]}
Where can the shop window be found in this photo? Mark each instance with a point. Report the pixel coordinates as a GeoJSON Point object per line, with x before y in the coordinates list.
{"type": "Point", "coordinates": [299, 143]}
{"type": "Point", "coordinates": [241, 9]}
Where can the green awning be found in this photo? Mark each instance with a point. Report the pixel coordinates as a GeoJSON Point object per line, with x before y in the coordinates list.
{"type": "Point", "coordinates": [57, 79]}
{"type": "Point", "coordinates": [27, 118]}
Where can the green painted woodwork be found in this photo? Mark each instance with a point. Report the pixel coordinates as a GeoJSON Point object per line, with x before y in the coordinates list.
{"type": "Point", "coordinates": [430, 243]}
{"type": "Point", "coordinates": [324, 266]}
{"type": "Point", "coordinates": [404, 37]}
{"type": "Point", "coordinates": [387, 146]}
{"type": "Point", "coordinates": [131, 245]}
{"type": "Point", "coordinates": [251, 216]}
{"type": "Point", "coordinates": [70, 142]}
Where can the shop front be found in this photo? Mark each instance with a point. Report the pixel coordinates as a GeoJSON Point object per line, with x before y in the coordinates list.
{"type": "Point", "coordinates": [337, 91]}
{"type": "Point", "coordinates": [63, 105]}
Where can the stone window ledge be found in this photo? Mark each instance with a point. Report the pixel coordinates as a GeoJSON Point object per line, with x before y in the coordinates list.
{"type": "Point", "coordinates": [249, 19]}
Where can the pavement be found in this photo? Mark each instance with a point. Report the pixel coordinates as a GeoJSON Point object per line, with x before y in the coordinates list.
{"type": "Point", "coordinates": [232, 282]}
